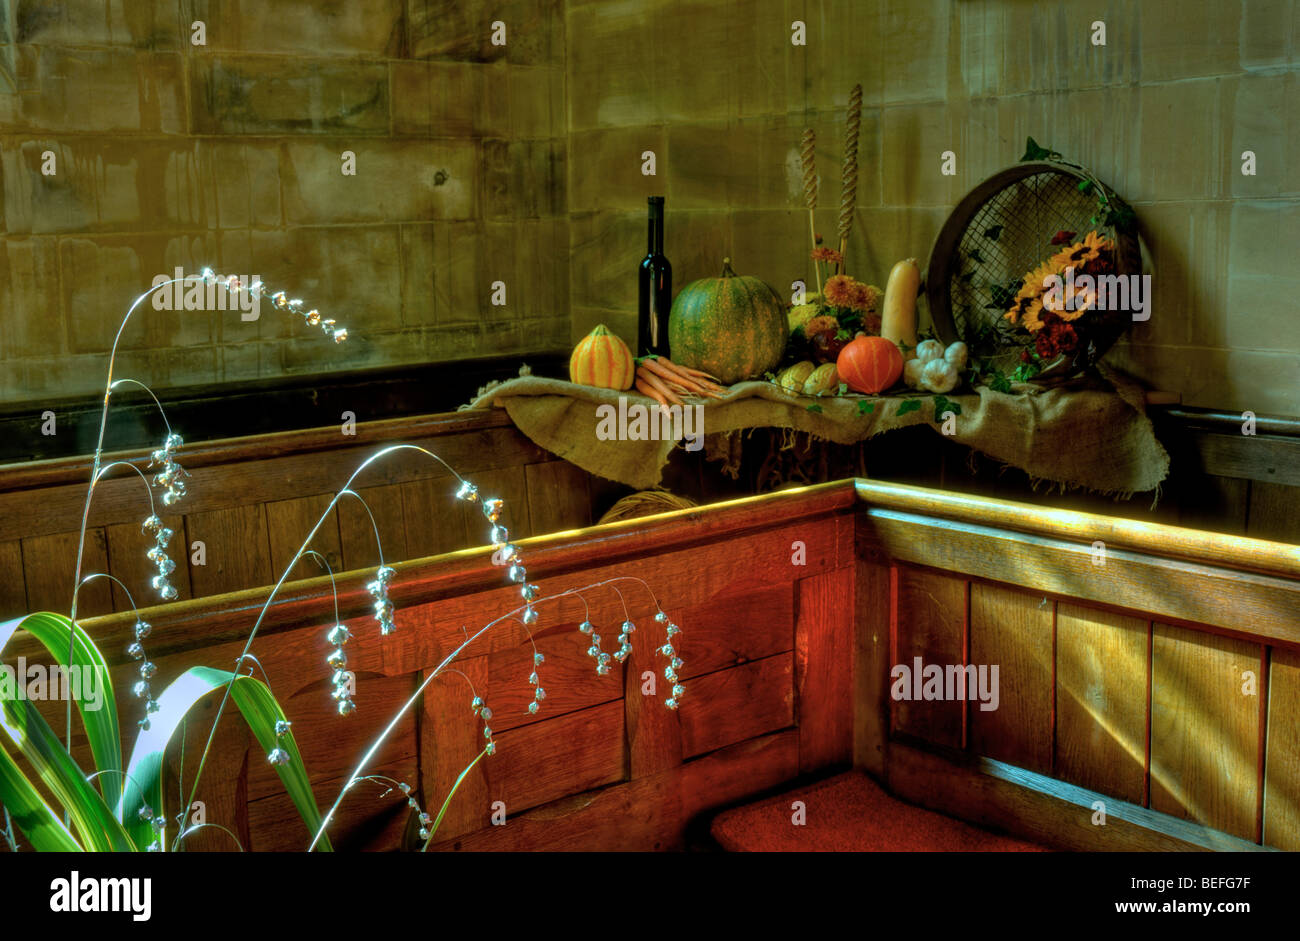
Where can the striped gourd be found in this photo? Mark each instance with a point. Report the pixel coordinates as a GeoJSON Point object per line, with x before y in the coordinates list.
{"type": "Point", "coordinates": [601, 359]}
{"type": "Point", "coordinates": [730, 327]}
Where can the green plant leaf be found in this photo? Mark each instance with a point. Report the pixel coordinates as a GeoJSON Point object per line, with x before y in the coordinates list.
{"type": "Point", "coordinates": [943, 404]}
{"type": "Point", "coordinates": [843, 387]}
{"type": "Point", "coordinates": [1085, 186]}
{"type": "Point", "coordinates": [865, 407]}
{"type": "Point", "coordinates": [260, 710]}
{"type": "Point", "coordinates": [92, 820]}
{"type": "Point", "coordinates": [1034, 152]}
{"type": "Point", "coordinates": [101, 724]}
{"type": "Point", "coordinates": [907, 405]}
{"type": "Point", "coordinates": [997, 381]}
{"type": "Point", "coordinates": [814, 407]}
{"type": "Point", "coordinates": [993, 232]}
{"type": "Point", "coordinates": [450, 794]}
{"type": "Point", "coordinates": [38, 822]}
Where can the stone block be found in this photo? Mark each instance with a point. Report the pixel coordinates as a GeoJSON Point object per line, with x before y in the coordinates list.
{"type": "Point", "coordinates": [276, 95]}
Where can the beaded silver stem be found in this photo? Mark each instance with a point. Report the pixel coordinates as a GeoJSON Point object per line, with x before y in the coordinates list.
{"type": "Point", "coordinates": [141, 689]}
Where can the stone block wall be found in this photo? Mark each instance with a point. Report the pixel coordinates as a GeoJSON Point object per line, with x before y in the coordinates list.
{"type": "Point", "coordinates": [230, 153]}
{"type": "Point", "coordinates": [522, 163]}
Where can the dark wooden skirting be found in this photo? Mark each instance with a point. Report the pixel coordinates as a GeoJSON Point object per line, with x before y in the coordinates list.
{"type": "Point", "coordinates": [259, 407]}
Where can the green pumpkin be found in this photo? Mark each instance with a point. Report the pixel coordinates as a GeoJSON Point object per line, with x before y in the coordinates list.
{"type": "Point", "coordinates": [732, 328]}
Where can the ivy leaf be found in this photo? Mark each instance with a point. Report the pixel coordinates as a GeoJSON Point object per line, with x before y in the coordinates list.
{"type": "Point", "coordinates": [975, 256]}
{"type": "Point", "coordinates": [943, 404]}
{"type": "Point", "coordinates": [993, 232]}
{"type": "Point", "coordinates": [997, 381]}
{"type": "Point", "coordinates": [1002, 296]}
{"type": "Point", "coordinates": [907, 405]}
{"type": "Point", "coordinates": [1034, 152]}
{"type": "Point", "coordinates": [865, 407]}
{"type": "Point", "coordinates": [842, 334]}
{"type": "Point", "coordinates": [1085, 186]}
{"type": "Point", "coordinates": [814, 408]}
{"type": "Point", "coordinates": [1122, 218]}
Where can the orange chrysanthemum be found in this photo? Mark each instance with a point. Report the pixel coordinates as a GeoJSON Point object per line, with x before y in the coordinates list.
{"type": "Point", "coordinates": [839, 291]}
{"type": "Point", "coordinates": [827, 254]}
{"type": "Point", "coordinates": [864, 297]}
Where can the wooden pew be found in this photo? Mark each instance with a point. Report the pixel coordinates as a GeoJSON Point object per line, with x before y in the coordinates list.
{"type": "Point", "coordinates": [1161, 679]}
{"type": "Point", "coordinates": [252, 498]}
{"type": "Point", "coordinates": [1164, 683]}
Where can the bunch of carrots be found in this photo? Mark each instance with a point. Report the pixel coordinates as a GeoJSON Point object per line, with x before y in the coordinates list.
{"type": "Point", "coordinates": [664, 381]}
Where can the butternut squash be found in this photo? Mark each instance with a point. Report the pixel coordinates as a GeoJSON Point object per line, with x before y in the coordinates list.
{"type": "Point", "coordinates": [898, 317]}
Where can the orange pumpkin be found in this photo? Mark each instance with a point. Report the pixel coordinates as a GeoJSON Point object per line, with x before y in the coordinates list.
{"type": "Point", "coordinates": [870, 364]}
{"type": "Point", "coordinates": [602, 360]}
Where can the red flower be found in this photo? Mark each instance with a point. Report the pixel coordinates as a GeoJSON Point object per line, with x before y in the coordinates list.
{"type": "Point", "coordinates": [1061, 237]}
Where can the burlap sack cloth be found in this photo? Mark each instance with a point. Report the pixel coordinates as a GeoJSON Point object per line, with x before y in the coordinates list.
{"type": "Point", "coordinates": [1093, 433]}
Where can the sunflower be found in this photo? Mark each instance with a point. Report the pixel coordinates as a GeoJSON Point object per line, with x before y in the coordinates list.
{"type": "Point", "coordinates": [1026, 311]}
{"type": "Point", "coordinates": [1078, 303]}
{"type": "Point", "coordinates": [1082, 253]}
{"type": "Point", "coordinates": [1035, 281]}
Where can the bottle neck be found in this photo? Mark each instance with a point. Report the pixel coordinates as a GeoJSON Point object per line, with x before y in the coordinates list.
{"type": "Point", "coordinates": [656, 230]}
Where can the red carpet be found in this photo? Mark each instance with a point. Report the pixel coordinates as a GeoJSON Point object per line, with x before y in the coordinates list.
{"type": "Point", "coordinates": [851, 813]}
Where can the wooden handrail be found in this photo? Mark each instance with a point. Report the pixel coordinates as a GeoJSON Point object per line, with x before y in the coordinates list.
{"type": "Point", "coordinates": [1239, 552]}
{"type": "Point", "coordinates": [31, 474]}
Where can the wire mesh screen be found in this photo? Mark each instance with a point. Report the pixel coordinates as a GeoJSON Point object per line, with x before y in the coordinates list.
{"type": "Point", "coordinates": [1009, 235]}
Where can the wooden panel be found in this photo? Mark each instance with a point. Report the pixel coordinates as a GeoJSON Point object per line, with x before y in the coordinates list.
{"type": "Point", "coordinates": [435, 520]}
{"type": "Point", "coordinates": [1282, 768]}
{"type": "Point", "coordinates": [734, 628]}
{"type": "Point", "coordinates": [127, 546]}
{"type": "Point", "coordinates": [50, 569]}
{"type": "Point", "coordinates": [929, 622]}
{"type": "Point", "coordinates": [221, 486]}
{"type": "Point", "coordinates": [450, 736]}
{"type": "Point", "coordinates": [1257, 457]}
{"type": "Point", "coordinates": [1167, 588]}
{"type": "Point", "coordinates": [237, 549]}
{"type": "Point", "coordinates": [508, 484]}
{"type": "Point", "coordinates": [1101, 701]}
{"type": "Point", "coordinates": [824, 669]}
{"type": "Point", "coordinates": [1204, 731]}
{"type": "Point", "coordinates": [368, 819]}
{"type": "Point", "coordinates": [558, 498]}
{"type": "Point", "coordinates": [13, 590]}
{"type": "Point", "coordinates": [696, 575]}
{"type": "Point", "coordinates": [1004, 798]}
{"type": "Point", "coordinates": [557, 758]}
{"type": "Point", "coordinates": [871, 665]}
{"type": "Point", "coordinates": [568, 676]}
{"type": "Point", "coordinates": [1274, 512]}
{"type": "Point", "coordinates": [732, 705]}
{"type": "Point", "coordinates": [289, 521]}
{"type": "Point", "coordinates": [649, 813]}
{"type": "Point", "coordinates": [357, 532]}
{"type": "Point", "coordinates": [1012, 630]}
